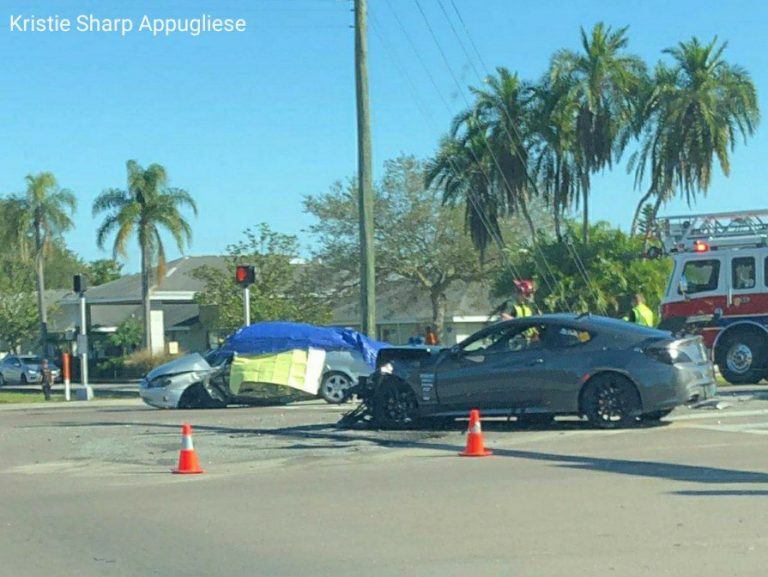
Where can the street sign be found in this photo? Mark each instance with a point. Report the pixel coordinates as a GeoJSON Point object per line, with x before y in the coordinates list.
{"type": "Point", "coordinates": [82, 345]}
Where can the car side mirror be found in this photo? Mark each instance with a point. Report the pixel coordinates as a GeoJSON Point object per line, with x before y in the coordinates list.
{"type": "Point", "coordinates": [455, 351]}
{"type": "Point", "coordinates": [682, 286]}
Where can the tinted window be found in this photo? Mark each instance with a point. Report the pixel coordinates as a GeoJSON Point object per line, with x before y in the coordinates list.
{"type": "Point", "coordinates": [509, 339]}
{"type": "Point", "coordinates": [563, 337]}
{"type": "Point", "coordinates": [702, 275]}
{"type": "Point", "coordinates": [743, 272]}
{"type": "Point", "coordinates": [490, 338]}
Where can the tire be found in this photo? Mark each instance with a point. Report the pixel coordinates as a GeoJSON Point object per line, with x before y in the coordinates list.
{"type": "Point", "coordinates": [23, 380]}
{"type": "Point", "coordinates": [197, 397]}
{"type": "Point", "coordinates": [610, 401]}
{"type": "Point", "coordinates": [740, 356]}
{"type": "Point", "coordinates": [655, 415]}
{"type": "Point", "coordinates": [334, 386]}
{"type": "Point", "coordinates": [394, 405]}
{"type": "Point", "coordinates": [2, 380]}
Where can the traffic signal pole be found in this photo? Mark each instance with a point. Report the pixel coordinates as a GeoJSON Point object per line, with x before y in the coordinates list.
{"type": "Point", "coordinates": [247, 305]}
{"type": "Point", "coordinates": [365, 180]}
{"type": "Point", "coordinates": [245, 276]}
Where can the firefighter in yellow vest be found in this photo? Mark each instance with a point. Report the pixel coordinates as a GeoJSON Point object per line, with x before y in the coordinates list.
{"type": "Point", "coordinates": [520, 308]}
{"type": "Point", "coordinates": [641, 313]}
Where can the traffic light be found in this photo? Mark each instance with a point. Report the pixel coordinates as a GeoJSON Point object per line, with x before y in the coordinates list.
{"type": "Point", "coordinates": [79, 284]}
{"type": "Point", "coordinates": [245, 275]}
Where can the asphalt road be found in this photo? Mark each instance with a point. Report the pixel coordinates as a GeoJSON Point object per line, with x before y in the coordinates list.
{"type": "Point", "coordinates": [86, 491]}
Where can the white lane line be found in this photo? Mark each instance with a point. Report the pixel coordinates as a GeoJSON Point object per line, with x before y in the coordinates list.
{"type": "Point", "coordinates": [712, 414]}
{"type": "Point", "coordinates": [746, 428]}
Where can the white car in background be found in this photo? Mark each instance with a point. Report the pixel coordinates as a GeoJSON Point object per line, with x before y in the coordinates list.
{"type": "Point", "coordinates": [197, 381]}
{"type": "Point", "coordinates": [24, 369]}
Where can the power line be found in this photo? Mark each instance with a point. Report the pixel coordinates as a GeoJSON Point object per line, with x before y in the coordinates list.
{"type": "Point", "coordinates": [485, 139]}
{"type": "Point", "coordinates": [477, 206]}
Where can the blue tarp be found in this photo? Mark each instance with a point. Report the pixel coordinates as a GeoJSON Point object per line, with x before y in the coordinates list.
{"type": "Point", "coordinates": [277, 337]}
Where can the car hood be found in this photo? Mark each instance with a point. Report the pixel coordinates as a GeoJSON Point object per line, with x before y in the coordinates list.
{"type": "Point", "coordinates": [408, 357]}
{"type": "Point", "coordinates": [185, 364]}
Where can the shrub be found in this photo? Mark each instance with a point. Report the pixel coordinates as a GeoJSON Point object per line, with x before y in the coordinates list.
{"type": "Point", "coordinates": [141, 362]}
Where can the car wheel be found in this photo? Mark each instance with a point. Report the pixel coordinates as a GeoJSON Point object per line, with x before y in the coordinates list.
{"type": "Point", "coordinates": [197, 397]}
{"type": "Point", "coordinates": [738, 357]}
{"type": "Point", "coordinates": [2, 380]}
{"type": "Point", "coordinates": [610, 401]}
{"type": "Point", "coordinates": [394, 405]}
{"type": "Point", "coordinates": [334, 387]}
{"type": "Point", "coordinates": [23, 379]}
{"type": "Point", "coordinates": [655, 415]}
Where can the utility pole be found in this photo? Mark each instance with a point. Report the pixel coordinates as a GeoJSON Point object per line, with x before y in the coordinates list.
{"type": "Point", "coordinates": [365, 180]}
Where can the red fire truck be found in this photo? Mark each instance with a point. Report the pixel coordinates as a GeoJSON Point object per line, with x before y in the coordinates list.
{"type": "Point", "coordinates": [719, 287]}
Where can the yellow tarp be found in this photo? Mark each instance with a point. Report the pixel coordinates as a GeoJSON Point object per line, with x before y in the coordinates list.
{"type": "Point", "coordinates": [267, 376]}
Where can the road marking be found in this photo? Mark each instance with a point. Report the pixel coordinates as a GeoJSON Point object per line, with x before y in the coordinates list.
{"type": "Point", "coordinates": [713, 414]}
{"type": "Point", "coordinates": [751, 428]}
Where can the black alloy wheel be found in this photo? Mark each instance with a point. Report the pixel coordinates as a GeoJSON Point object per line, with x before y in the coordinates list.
{"type": "Point", "coordinates": [394, 406]}
{"type": "Point", "coordinates": [610, 401]}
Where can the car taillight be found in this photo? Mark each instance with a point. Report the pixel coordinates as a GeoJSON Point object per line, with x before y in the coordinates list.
{"type": "Point", "coordinates": [668, 355]}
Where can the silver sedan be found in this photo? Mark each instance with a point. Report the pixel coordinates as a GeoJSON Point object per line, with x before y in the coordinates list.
{"type": "Point", "coordinates": [24, 369]}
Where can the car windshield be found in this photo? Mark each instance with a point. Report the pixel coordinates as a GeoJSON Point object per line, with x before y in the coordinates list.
{"type": "Point", "coordinates": [29, 360]}
{"type": "Point", "coordinates": [217, 357]}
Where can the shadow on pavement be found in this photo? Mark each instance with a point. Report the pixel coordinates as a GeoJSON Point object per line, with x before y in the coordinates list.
{"type": "Point", "coordinates": [422, 440]}
{"type": "Point", "coordinates": [724, 493]}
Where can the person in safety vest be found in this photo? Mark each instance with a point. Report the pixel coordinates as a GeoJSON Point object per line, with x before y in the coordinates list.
{"type": "Point", "coordinates": [520, 308]}
{"type": "Point", "coordinates": [641, 313]}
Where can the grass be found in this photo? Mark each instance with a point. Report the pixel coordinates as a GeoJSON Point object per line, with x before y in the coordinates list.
{"type": "Point", "coordinates": [27, 397]}
{"type": "Point", "coordinates": [10, 397]}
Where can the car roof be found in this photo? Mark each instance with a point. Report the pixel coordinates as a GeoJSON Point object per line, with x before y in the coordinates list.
{"type": "Point", "coordinates": [595, 322]}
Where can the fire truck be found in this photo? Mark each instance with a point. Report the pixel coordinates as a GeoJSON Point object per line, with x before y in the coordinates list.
{"type": "Point", "coordinates": [719, 287]}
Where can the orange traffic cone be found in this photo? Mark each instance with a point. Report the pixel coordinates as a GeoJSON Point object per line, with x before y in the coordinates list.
{"type": "Point", "coordinates": [475, 447]}
{"type": "Point", "coordinates": [188, 462]}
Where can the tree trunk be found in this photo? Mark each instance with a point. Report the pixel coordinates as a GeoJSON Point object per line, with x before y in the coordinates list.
{"type": "Point", "coordinates": [636, 218]}
{"type": "Point", "coordinates": [585, 224]}
{"type": "Point", "coordinates": [558, 231]}
{"type": "Point", "coordinates": [528, 219]}
{"type": "Point", "coordinates": [439, 304]}
{"type": "Point", "coordinates": [656, 207]}
{"type": "Point", "coordinates": [40, 282]}
{"type": "Point", "coordinates": [145, 293]}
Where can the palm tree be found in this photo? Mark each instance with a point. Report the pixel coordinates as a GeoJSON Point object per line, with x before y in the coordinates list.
{"type": "Point", "coordinates": [484, 161]}
{"type": "Point", "coordinates": [604, 83]}
{"type": "Point", "coordinates": [501, 112]}
{"type": "Point", "coordinates": [143, 208]}
{"type": "Point", "coordinates": [698, 109]}
{"type": "Point", "coordinates": [462, 169]}
{"type": "Point", "coordinates": [42, 214]}
{"type": "Point", "coordinates": [553, 151]}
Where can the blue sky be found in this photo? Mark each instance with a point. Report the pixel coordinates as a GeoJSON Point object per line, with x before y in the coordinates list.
{"type": "Point", "coordinates": [250, 123]}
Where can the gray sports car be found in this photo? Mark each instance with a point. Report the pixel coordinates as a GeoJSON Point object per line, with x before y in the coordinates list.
{"type": "Point", "coordinates": [613, 372]}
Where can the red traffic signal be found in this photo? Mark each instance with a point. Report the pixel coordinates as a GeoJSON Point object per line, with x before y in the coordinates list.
{"type": "Point", "coordinates": [245, 275]}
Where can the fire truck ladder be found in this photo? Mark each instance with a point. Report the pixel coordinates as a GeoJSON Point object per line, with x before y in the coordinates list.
{"type": "Point", "coordinates": [720, 229]}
